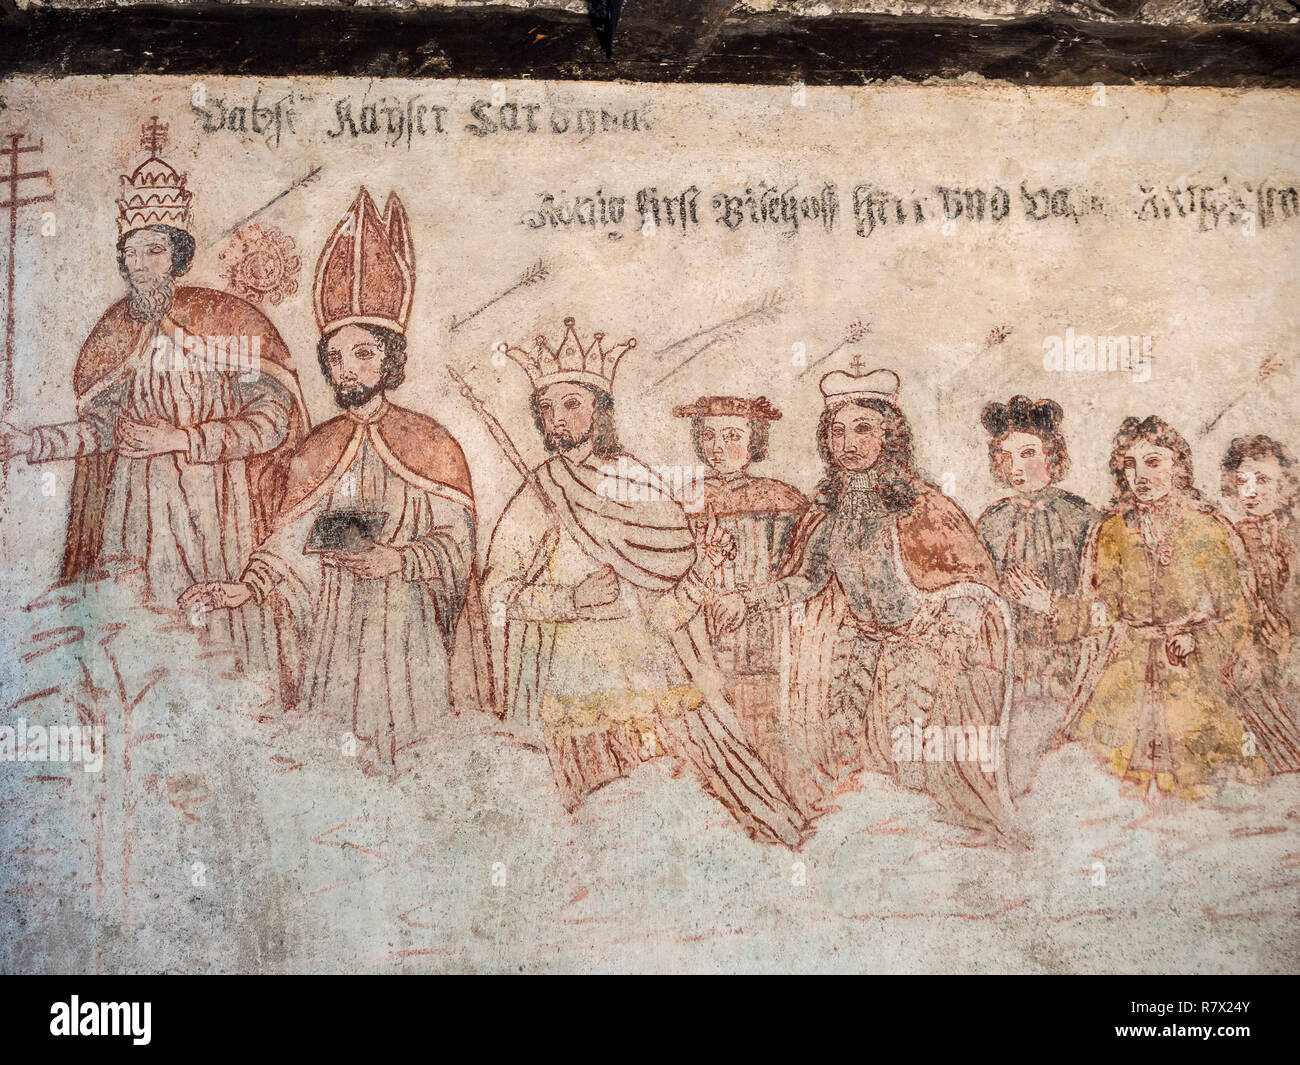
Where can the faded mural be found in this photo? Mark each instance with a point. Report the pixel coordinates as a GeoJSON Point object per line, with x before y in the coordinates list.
{"type": "Point", "coordinates": [556, 526]}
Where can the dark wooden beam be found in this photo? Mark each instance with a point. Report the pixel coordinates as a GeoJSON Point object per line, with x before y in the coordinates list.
{"type": "Point", "coordinates": [507, 42]}
{"type": "Point", "coordinates": [681, 28]}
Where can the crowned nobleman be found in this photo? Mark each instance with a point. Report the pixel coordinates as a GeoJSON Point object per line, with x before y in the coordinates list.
{"type": "Point", "coordinates": [187, 408]}
{"type": "Point", "coordinates": [902, 663]}
{"type": "Point", "coordinates": [374, 541]}
{"type": "Point", "coordinates": [594, 573]}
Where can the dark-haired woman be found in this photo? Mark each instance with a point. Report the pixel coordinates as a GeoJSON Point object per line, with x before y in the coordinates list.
{"type": "Point", "coordinates": [900, 662]}
{"type": "Point", "coordinates": [1042, 529]}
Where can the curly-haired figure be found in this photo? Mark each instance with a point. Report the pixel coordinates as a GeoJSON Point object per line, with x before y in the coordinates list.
{"type": "Point", "coordinates": [1042, 529]}
{"type": "Point", "coordinates": [900, 663]}
{"type": "Point", "coordinates": [1260, 482]}
{"type": "Point", "coordinates": [1163, 600]}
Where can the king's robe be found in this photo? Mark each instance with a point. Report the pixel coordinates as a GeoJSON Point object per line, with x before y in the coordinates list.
{"type": "Point", "coordinates": [903, 630]}
{"type": "Point", "coordinates": [614, 685]}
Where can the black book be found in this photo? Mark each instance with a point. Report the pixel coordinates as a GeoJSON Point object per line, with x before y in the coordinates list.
{"type": "Point", "coordinates": [344, 531]}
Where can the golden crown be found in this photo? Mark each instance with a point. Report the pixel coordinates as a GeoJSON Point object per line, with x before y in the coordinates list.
{"type": "Point", "coordinates": [570, 361]}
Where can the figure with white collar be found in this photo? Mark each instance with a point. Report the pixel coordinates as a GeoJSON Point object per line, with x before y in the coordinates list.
{"type": "Point", "coordinates": [901, 663]}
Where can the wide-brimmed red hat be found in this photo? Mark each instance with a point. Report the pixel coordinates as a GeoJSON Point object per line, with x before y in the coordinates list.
{"type": "Point", "coordinates": [729, 406]}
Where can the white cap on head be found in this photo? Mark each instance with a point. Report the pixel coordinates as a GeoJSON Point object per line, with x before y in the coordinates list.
{"type": "Point", "coordinates": [839, 387]}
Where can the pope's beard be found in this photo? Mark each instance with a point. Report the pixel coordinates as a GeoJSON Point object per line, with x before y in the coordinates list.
{"type": "Point", "coordinates": [151, 300]}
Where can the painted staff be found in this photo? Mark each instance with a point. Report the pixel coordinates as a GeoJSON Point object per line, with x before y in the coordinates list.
{"type": "Point", "coordinates": [502, 438]}
{"type": "Point", "coordinates": [731, 768]}
{"type": "Point", "coordinates": [13, 179]}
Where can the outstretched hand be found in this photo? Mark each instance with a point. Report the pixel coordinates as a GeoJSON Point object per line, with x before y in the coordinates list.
{"type": "Point", "coordinates": [13, 442]}
{"type": "Point", "coordinates": [1028, 589]}
{"type": "Point", "coordinates": [215, 595]}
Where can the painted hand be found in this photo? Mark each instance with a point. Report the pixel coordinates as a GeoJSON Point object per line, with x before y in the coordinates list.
{"type": "Point", "coordinates": [138, 440]}
{"type": "Point", "coordinates": [13, 442]}
{"type": "Point", "coordinates": [1275, 630]}
{"type": "Point", "coordinates": [1028, 589]}
{"type": "Point", "coordinates": [373, 563]}
{"type": "Point", "coordinates": [714, 547]}
{"type": "Point", "coordinates": [727, 612]}
{"type": "Point", "coordinates": [215, 595]}
{"type": "Point", "coordinates": [1178, 647]}
{"type": "Point", "coordinates": [598, 588]}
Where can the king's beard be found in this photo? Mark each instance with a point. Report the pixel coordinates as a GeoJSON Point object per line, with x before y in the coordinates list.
{"type": "Point", "coordinates": [351, 396]}
{"type": "Point", "coordinates": [150, 302]}
{"type": "Point", "coordinates": [558, 442]}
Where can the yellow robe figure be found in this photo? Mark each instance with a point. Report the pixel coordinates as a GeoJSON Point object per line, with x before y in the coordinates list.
{"type": "Point", "coordinates": [1146, 713]}
{"type": "Point", "coordinates": [614, 685]}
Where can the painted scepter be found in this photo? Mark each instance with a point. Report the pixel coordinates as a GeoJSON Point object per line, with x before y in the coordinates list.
{"type": "Point", "coordinates": [724, 758]}
{"type": "Point", "coordinates": [502, 438]}
{"type": "Point", "coordinates": [551, 539]}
